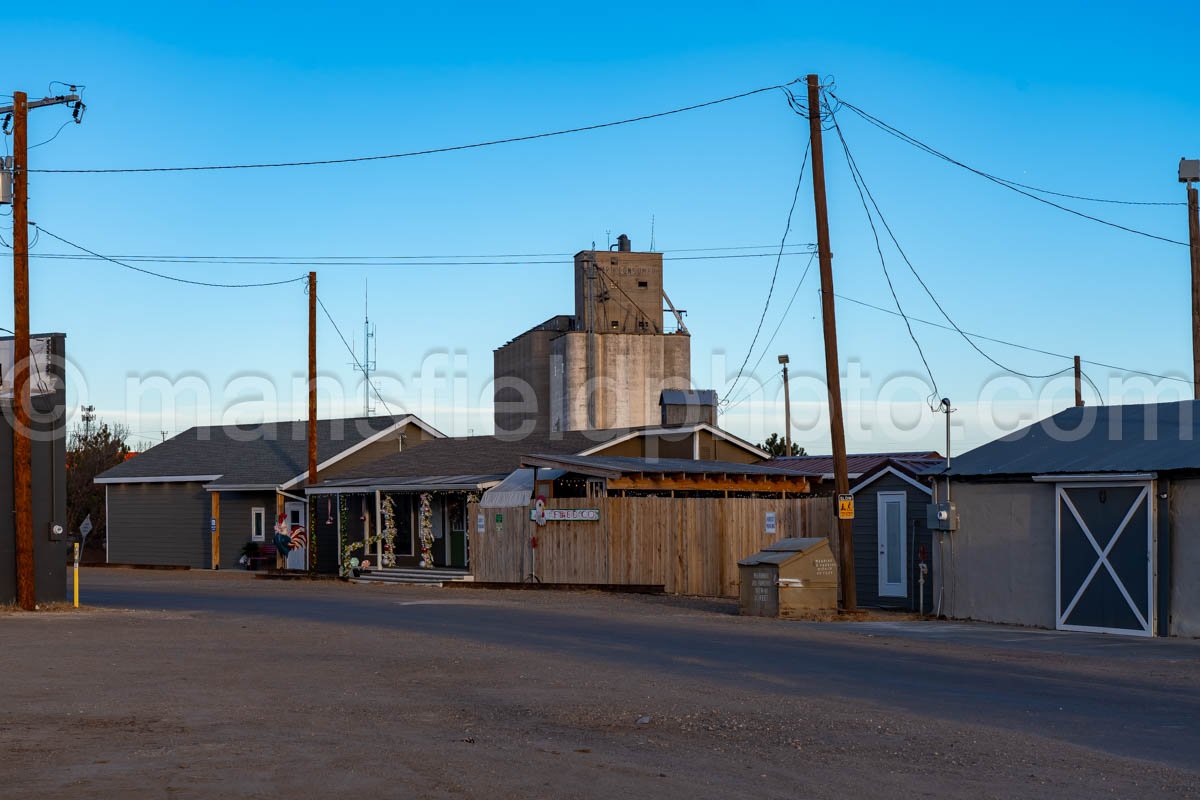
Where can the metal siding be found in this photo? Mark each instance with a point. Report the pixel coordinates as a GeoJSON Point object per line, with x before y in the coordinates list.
{"type": "Point", "coordinates": [866, 544]}
{"type": "Point", "coordinates": [235, 523]}
{"type": "Point", "coordinates": [163, 523]}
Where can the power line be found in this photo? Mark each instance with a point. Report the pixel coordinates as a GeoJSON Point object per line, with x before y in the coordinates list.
{"type": "Point", "coordinates": [375, 261]}
{"type": "Point", "coordinates": [434, 150]}
{"type": "Point", "coordinates": [891, 234]}
{"type": "Point", "coordinates": [1011, 185]}
{"type": "Point", "coordinates": [1007, 343]}
{"type": "Point", "coordinates": [354, 357]}
{"type": "Point", "coordinates": [774, 275]}
{"type": "Point", "coordinates": [166, 277]}
{"type": "Point", "coordinates": [767, 347]}
{"type": "Point", "coordinates": [859, 185]}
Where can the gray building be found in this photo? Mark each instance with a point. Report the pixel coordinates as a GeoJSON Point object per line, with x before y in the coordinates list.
{"type": "Point", "coordinates": [1088, 520]}
{"type": "Point", "coordinates": [606, 365]}
{"type": "Point", "coordinates": [196, 499]}
{"type": "Point", "coordinates": [891, 537]}
{"type": "Point", "coordinates": [48, 456]}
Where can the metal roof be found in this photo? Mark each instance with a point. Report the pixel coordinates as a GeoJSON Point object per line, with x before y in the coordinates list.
{"type": "Point", "coordinates": [1155, 437]}
{"type": "Point", "coordinates": [624, 464]}
{"type": "Point", "coordinates": [688, 397]}
{"type": "Point", "coordinates": [859, 464]}
{"type": "Point", "coordinates": [782, 551]}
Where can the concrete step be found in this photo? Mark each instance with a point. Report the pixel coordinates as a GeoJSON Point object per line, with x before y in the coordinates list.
{"type": "Point", "coordinates": [428, 577]}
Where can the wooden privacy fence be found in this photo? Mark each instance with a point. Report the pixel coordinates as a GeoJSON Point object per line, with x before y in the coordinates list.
{"type": "Point", "coordinates": [688, 545]}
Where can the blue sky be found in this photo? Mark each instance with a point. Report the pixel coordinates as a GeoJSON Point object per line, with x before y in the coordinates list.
{"type": "Point", "coordinates": [1080, 98]}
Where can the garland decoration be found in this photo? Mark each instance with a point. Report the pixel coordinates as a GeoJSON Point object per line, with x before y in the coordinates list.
{"type": "Point", "coordinates": [426, 531]}
{"type": "Point", "coordinates": [389, 532]}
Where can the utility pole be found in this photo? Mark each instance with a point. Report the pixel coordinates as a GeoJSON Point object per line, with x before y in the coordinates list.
{"type": "Point", "coordinates": [1189, 173]}
{"type": "Point", "coordinates": [22, 459]}
{"type": "Point", "coordinates": [1078, 384]}
{"type": "Point", "coordinates": [787, 409]}
{"type": "Point", "coordinates": [312, 409]}
{"type": "Point", "coordinates": [841, 477]}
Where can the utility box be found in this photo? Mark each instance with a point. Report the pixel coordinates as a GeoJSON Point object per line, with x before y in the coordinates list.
{"type": "Point", "coordinates": [941, 517]}
{"type": "Point", "coordinates": [788, 578]}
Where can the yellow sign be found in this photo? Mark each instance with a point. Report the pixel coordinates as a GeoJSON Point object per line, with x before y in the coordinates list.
{"type": "Point", "coordinates": [845, 506]}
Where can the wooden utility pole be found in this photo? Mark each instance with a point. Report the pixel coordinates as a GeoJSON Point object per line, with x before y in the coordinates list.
{"type": "Point", "coordinates": [841, 477]}
{"type": "Point", "coordinates": [312, 409]}
{"type": "Point", "coordinates": [22, 464]}
{"type": "Point", "coordinates": [22, 459]}
{"type": "Point", "coordinates": [1194, 240]}
{"type": "Point", "coordinates": [1078, 383]}
{"type": "Point", "coordinates": [787, 409]}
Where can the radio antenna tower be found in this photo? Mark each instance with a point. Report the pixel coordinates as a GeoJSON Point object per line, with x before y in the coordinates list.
{"type": "Point", "coordinates": [367, 364]}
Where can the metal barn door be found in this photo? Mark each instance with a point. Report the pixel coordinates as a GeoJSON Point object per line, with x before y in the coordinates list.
{"type": "Point", "coordinates": [1105, 570]}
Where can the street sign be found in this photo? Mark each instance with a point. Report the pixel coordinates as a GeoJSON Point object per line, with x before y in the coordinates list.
{"type": "Point", "coordinates": [86, 526]}
{"type": "Point", "coordinates": [845, 506]}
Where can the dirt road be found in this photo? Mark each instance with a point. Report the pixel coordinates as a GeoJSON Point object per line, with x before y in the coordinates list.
{"type": "Point", "coordinates": [215, 685]}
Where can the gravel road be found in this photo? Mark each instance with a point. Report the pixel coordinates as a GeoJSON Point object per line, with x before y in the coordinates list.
{"type": "Point", "coordinates": [200, 685]}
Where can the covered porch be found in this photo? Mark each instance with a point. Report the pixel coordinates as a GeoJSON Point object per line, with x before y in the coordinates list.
{"type": "Point", "coordinates": [409, 524]}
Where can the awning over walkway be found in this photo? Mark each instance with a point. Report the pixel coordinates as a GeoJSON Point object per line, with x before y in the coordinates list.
{"type": "Point", "coordinates": [517, 489]}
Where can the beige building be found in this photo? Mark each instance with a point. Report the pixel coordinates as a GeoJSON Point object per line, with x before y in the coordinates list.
{"type": "Point", "coordinates": [606, 365]}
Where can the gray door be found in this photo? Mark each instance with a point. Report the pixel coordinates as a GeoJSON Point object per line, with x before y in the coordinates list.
{"type": "Point", "coordinates": [1106, 557]}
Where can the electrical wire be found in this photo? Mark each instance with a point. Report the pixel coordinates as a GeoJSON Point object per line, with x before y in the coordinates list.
{"type": "Point", "coordinates": [917, 275]}
{"type": "Point", "coordinates": [375, 261]}
{"type": "Point", "coordinates": [167, 277]}
{"type": "Point", "coordinates": [353, 356]}
{"type": "Point", "coordinates": [774, 276]}
{"type": "Point", "coordinates": [1011, 185]}
{"type": "Point", "coordinates": [429, 151]}
{"type": "Point", "coordinates": [55, 136]}
{"type": "Point", "coordinates": [1028, 348]}
{"type": "Point", "coordinates": [767, 347]}
{"type": "Point", "coordinates": [858, 184]}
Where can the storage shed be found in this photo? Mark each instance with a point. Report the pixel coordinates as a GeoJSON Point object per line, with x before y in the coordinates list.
{"type": "Point", "coordinates": [1088, 520]}
{"type": "Point", "coordinates": [788, 578]}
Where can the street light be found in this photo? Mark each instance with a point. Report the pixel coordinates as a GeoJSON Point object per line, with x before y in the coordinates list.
{"type": "Point", "coordinates": [787, 408]}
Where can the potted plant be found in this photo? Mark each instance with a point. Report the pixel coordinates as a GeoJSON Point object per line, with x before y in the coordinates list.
{"type": "Point", "coordinates": [250, 551]}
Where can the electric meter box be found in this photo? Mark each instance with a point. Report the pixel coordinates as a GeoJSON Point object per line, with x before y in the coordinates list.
{"type": "Point", "coordinates": [941, 516]}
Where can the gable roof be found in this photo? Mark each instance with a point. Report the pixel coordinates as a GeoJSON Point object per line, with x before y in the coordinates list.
{"type": "Point", "coordinates": [860, 464]}
{"type": "Point", "coordinates": [472, 455]}
{"type": "Point", "coordinates": [1152, 437]}
{"type": "Point", "coordinates": [262, 456]}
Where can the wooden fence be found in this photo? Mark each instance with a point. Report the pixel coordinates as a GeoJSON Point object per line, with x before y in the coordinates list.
{"type": "Point", "coordinates": [688, 545]}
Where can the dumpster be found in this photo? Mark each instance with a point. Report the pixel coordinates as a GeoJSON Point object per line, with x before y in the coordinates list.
{"type": "Point", "coordinates": [788, 578]}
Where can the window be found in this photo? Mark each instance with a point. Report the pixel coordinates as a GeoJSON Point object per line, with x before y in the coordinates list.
{"type": "Point", "coordinates": [258, 524]}
{"type": "Point", "coordinates": [643, 285]}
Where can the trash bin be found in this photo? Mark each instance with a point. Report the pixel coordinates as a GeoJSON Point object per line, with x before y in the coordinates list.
{"type": "Point", "coordinates": [787, 578]}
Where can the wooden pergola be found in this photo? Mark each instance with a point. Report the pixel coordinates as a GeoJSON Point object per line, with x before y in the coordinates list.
{"type": "Point", "coordinates": [697, 476]}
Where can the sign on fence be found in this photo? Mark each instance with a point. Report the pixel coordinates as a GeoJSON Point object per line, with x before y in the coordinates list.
{"type": "Point", "coordinates": [567, 514]}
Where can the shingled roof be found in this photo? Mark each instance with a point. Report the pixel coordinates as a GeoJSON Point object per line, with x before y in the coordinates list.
{"type": "Point", "coordinates": [495, 456]}
{"type": "Point", "coordinates": [268, 454]}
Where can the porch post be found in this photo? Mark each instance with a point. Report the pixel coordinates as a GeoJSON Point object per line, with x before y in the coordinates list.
{"type": "Point", "coordinates": [280, 558]}
{"type": "Point", "coordinates": [379, 526]}
{"type": "Point", "coordinates": [215, 527]}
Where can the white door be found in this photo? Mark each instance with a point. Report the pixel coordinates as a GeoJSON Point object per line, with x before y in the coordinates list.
{"type": "Point", "coordinates": [893, 552]}
{"type": "Point", "coordinates": [298, 528]}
